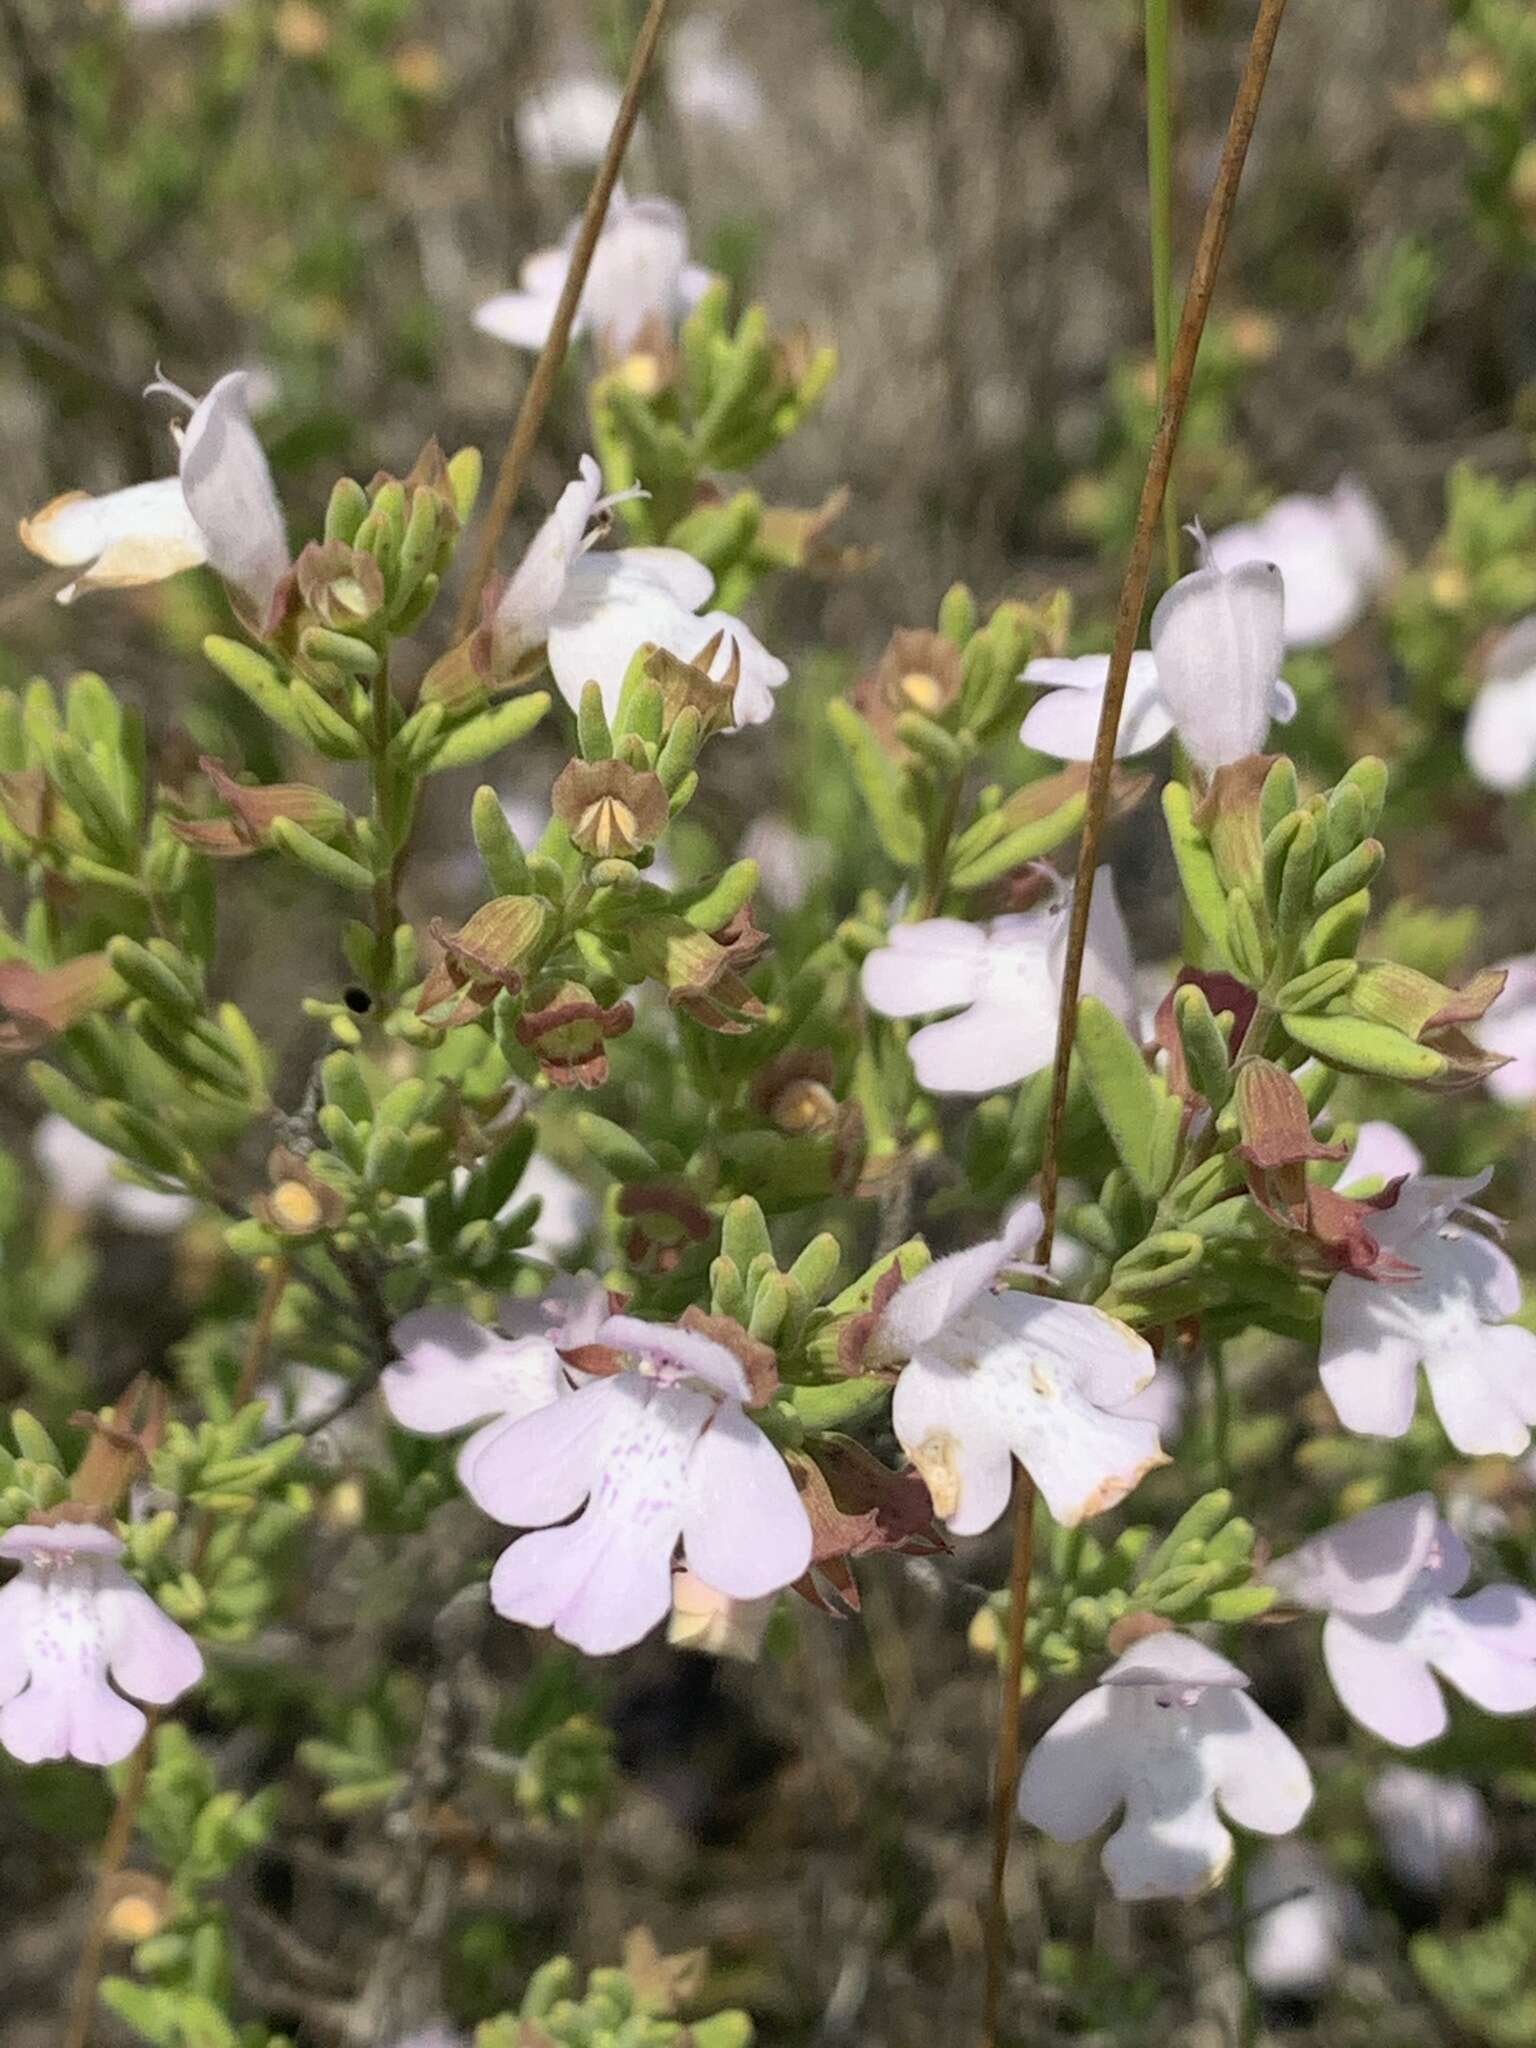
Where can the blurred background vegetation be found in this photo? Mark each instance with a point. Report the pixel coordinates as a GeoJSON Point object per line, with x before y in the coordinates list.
{"type": "Point", "coordinates": [951, 192]}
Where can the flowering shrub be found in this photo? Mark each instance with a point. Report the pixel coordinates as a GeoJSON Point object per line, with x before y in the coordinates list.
{"type": "Point", "coordinates": [671, 1181]}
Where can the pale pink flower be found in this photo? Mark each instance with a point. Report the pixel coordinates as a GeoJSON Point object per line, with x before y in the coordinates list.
{"type": "Point", "coordinates": [640, 282]}
{"type": "Point", "coordinates": [1004, 980]}
{"type": "Point", "coordinates": [1064, 722]}
{"type": "Point", "coordinates": [593, 612]}
{"type": "Point", "coordinates": [1168, 1734]}
{"type": "Point", "coordinates": [1500, 736]}
{"type": "Point", "coordinates": [995, 1376]}
{"type": "Point", "coordinates": [1510, 1028]}
{"type": "Point", "coordinates": [1334, 554]}
{"type": "Point", "coordinates": [1453, 1320]}
{"type": "Point", "coordinates": [659, 1452]}
{"type": "Point", "coordinates": [1432, 1829]}
{"type": "Point", "coordinates": [220, 509]}
{"type": "Point", "coordinates": [1385, 1580]}
{"type": "Point", "coordinates": [73, 1619]}
{"type": "Point", "coordinates": [452, 1372]}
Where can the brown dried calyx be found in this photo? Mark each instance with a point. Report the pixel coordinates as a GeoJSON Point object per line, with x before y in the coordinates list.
{"type": "Point", "coordinates": [612, 811]}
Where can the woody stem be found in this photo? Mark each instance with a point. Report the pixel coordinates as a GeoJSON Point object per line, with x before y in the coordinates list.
{"type": "Point", "coordinates": [114, 1847]}
{"type": "Point", "coordinates": [541, 385]}
{"type": "Point", "coordinates": [1133, 594]}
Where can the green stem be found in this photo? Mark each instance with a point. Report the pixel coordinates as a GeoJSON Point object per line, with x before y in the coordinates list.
{"type": "Point", "coordinates": [386, 910]}
{"type": "Point", "coordinates": [1160, 208]}
{"type": "Point", "coordinates": [938, 849]}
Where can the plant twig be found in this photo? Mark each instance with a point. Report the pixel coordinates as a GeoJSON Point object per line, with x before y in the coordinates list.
{"type": "Point", "coordinates": [119, 1835]}
{"type": "Point", "coordinates": [1133, 594]}
{"type": "Point", "coordinates": [82, 2001]}
{"type": "Point", "coordinates": [1133, 591]}
{"type": "Point", "coordinates": [1005, 1775]}
{"type": "Point", "coordinates": [541, 385]}
{"type": "Point", "coordinates": [1160, 223]}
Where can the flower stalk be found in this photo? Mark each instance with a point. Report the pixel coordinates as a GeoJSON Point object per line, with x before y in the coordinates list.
{"type": "Point", "coordinates": [541, 385]}
{"type": "Point", "coordinates": [1133, 593]}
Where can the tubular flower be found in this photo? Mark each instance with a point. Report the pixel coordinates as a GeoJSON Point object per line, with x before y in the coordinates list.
{"type": "Point", "coordinates": [220, 509]}
{"type": "Point", "coordinates": [592, 613]}
{"type": "Point", "coordinates": [1167, 1735]}
{"type": "Point", "coordinates": [72, 1620]}
{"type": "Point", "coordinates": [1064, 721]}
{"type": "Point", "coordinates": [655, 1448]}
{"type": "Point", "coordinates": [1385, 1580]}
{"type": "Point", "coordinates": [638, 290]}
{"type": "Point", "coordinates": [1004, 980]}
{"type": "Point", "coordinates": [992, 1377]}
{"type": "Point", "coordinates": [1452, 1318]}
{"type": "Point", "coordinates": [1217, 638]}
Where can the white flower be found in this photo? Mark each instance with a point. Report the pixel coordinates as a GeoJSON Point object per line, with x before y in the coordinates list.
{"type": "Point", "coordinates": [83, 1174]}
{"type": "Point", "coordinates": [658, 1452]}
{"type": "Point", "coordinates": [1162, 1402]}
{"type": "Point", "coordinates": [1381, 1153]}
{"type": "Point", "coordinates": [1004, 978]}
{"type": "Point", "coordinates": [172, 13]}
{"type": "Point", "coordinates": [1385, 1579]}
{"type": "Point", "coordinates": [1453, 1320]}
{"type": "Point", "coordinates": [1432, 1829]}
{"type": "Point", "coordinates": [71, 1620]}
{"type": "Point", "coordinates": [593, 612]}
{"type": "Point", "coordinates": [1217, 641]}
{"type": "Point", "coordinates": [221, 509]}
{"type": "Point", "coordinates": [1167, 1733]}
{"type": "Point", "coordinates": [1334, 554]}
{"type": "Point", "coordinates": [993, 1377]}
{"type": "Point", "coordinates": [1509, 1027]}
{"type": "Point", "coordinates": [789, 864]}
{"type": "Point", "coordinates": [706, 82]}
{"type": "Point", "coordinates": [1500, 737]}
{"type": "Point", "coordinates": [640, 286]}
{"type": "Point", "coordinates": [566, 123]}
{"type": "Point", "coordinates": [1302, 1918]}
{"type": "Point", "coordinates": [1065, 721]}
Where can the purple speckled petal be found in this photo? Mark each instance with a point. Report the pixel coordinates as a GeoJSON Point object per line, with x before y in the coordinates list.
{"type": "Point", "coordinates": [150, 1656]}
{"type": "Point", "coordinates": [542, 1467]}
{"type": "Point", "coordinates": [452, 1372]}
{"type": "Point", "coordinates": [89, 1722]}
{"type": "Point", "coordinates": [687, 1353]}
